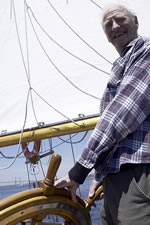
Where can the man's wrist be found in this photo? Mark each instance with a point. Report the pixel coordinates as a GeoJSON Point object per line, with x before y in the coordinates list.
{"type": "Point", "coordinates": [78, 173]}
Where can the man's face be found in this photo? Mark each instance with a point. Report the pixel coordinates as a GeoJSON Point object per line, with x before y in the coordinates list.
{"type": "Point", "coordinates": [119, 27]}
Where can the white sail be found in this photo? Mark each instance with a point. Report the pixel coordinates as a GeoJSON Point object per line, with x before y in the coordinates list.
{"type": "Point", "coordinates": [27, 53]}
{"type": "Point", "coordinates": [32, 58]}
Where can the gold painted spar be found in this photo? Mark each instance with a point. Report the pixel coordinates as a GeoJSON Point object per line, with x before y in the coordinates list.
{"type": "Point", "coordinates": [36, 204]}
{"type": "Point", "coordinates": [51, 131]}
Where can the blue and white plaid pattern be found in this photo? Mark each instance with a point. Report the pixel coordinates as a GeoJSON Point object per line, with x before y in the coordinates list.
{"type": "Point", "coordinates": [122, 134]}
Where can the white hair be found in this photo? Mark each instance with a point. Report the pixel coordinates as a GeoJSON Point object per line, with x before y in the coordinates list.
{"type": "Point", "coordinates": [111, 6]}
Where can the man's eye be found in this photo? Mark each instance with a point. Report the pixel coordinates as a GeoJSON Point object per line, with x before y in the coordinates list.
{"type": "Point", "coordinates": [120, 20]}
{"type": "Point", "coordinates": [109, 24]}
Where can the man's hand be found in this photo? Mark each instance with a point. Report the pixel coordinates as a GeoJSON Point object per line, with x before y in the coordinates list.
{"type": "Point", "coordinates": [94, 186]}
{"type": "Point", "coordinates": [70, 184]}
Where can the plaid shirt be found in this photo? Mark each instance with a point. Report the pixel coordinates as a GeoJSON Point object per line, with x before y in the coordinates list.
{"type": "Point", "coordinates": [122, 134]}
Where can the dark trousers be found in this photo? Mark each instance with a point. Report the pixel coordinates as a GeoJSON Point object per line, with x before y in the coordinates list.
{"type": "Point", "coordinates": [127, 196]}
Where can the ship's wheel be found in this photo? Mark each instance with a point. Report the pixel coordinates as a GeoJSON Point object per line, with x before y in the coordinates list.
{"type": "Point", "coordinates": [33, 206]}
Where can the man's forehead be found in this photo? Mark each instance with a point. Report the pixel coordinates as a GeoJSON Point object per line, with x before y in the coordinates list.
{"type": "Point", "coordinates": [113, 12]}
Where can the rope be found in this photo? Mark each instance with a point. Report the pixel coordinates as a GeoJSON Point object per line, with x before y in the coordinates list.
{"type": "Point", "coordinates": [11, 6]}
{"type": "Point", "coordinates": [96, 4]}
{"type": "Point", "coordinates": [73, 155]}
{"type": "Point", "coordinates": [9, 157]}
{"type": "Point", "coordinates": [75, 142]}
{"type": "Point", "coordinates": [56, 109]}
{"type": "Point", "coordinates": [59, 45]}
{"type": "Point", "coordinates": [26, 105]}
{"type": "Point", "coordinates": [34, 174]}
{"type": "Point", "coordinates": [54, 65]}
{"type": "Point", "coordinates": [41, 162]}
{"type": "Point", "coordinates": [28, 175]}
{"type": "Point", "coordinates": [42, 168]}
{"type": "Point", "coordinates": [28, 64]}
{"type": "Point", "coordinates": [63, 141]}
{"type": "Point", "coordinates": [26, 71]}
{"type": "Point", "coordinates": [20, 139]}
{"type": "Point", "coordinates": [77, 33]}
{"type": "Point", "coordinates": [51, 146]}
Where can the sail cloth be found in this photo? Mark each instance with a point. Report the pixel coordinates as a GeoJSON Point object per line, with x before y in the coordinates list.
{"type": "Point", "coordinates": [55, 60]}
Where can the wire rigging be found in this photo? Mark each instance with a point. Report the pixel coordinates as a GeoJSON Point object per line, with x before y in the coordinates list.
{"type": "Point", "coordinates": [50, 4]}
{"type": "Point", "coordinates": [28, 64]}
{"type": "Point", "coordinates": [30, 89]}
{"type": "Point", "coordinates": [11, 6]}
{"type": "Point", "coordinates": [74, 142]}
{"type": "Point", "coordinates": [59, 45]}
{"type": "Point", "coordinates": [73, 155]}
{"type": "Point", "coordinates": [27, 99]}
{"type": "Point", "coordinates": [55, 108]}
{"type": "Point", "coordinates": [96, 4]}
{"type": "Point", "coordinates": [29, 182]}
{"type": "Point", "coordinates": [54, 65]}
{"type": "Point", "coordinates": [42, 168]}
{"type": "Point", "coordinates": [9, 157]}
{"type": "Point", "coordinates": [20, 139]}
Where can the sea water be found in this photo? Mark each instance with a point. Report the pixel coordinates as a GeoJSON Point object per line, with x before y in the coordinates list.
{"type": "Point", "coordinates": [6, 191]}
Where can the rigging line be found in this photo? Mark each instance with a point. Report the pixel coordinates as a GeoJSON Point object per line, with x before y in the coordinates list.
{"type": "Point", "coordinates": [56, 109]}
{"type": "Point", "coordinates": [59, 143]}
{"type": "Point", "coordinates": [73, 135]}
{"type": "Point", "coordinates": [9, 157]}
{"type": "Point", "coordinates": [50, 145]}
{"type": "Point", "coordinates": [11, 4]}
{"type": "Point", "coordinates": [19, 41]}
{"type": "Point", "coordinates": [27, 46]}
{"type": "Point", "coordinates": [32, 169]}
{"type": "Point", "coordinates": [46, 151]}
{"type": "Point", "coordinates": [77, 33]}
{"type": "Point", "coordinates": [58, 70]}
{"type": "Point", "coordinates": [28, 63]}
{"type": "Point", "coordinates": [96, 4]}
{"type": "Point", "coordinates": [20, 139]}
{"type": "Point", "coordinates": [59, 45]}
{"type": "Point", "coordinates": [20, 47]}
{"type": "Point", "coordinates": [73, 155]}
{"type": "Point", "coordinates": [29, 182]}
{"type": "Point", "coordinates": [74, 142]}
{"type": "Point", "coordinates": [41, 160]}
{"type": "Point", "coordinates": [12, 157]}
{"type": "Point", "coordinates": [42, 168]}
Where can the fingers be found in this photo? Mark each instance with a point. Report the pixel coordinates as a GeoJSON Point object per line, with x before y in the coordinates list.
{"type": "Point", "coordinates": [63, 182]}
{"type": "Point", "coordinates": [73, 193]}
{"type": "Point", "coordinates": [70, 184]}
{"type": "Point", "coordinates": [91, 191]}
{"type": "Point", "coordinates": [102, 195]}
{"type": "Point", "coordinates": [94, 185]}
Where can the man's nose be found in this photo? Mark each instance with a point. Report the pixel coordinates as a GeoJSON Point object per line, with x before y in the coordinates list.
{"type": "Point", "coordinates": [115, 24]}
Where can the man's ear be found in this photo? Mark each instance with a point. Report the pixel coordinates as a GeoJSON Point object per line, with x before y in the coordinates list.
{"type": "Point", "coordinates": [136, 22]}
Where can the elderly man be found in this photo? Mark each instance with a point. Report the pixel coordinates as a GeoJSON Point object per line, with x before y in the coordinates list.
{"type": "Point", "coordinates": [119, 147]}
